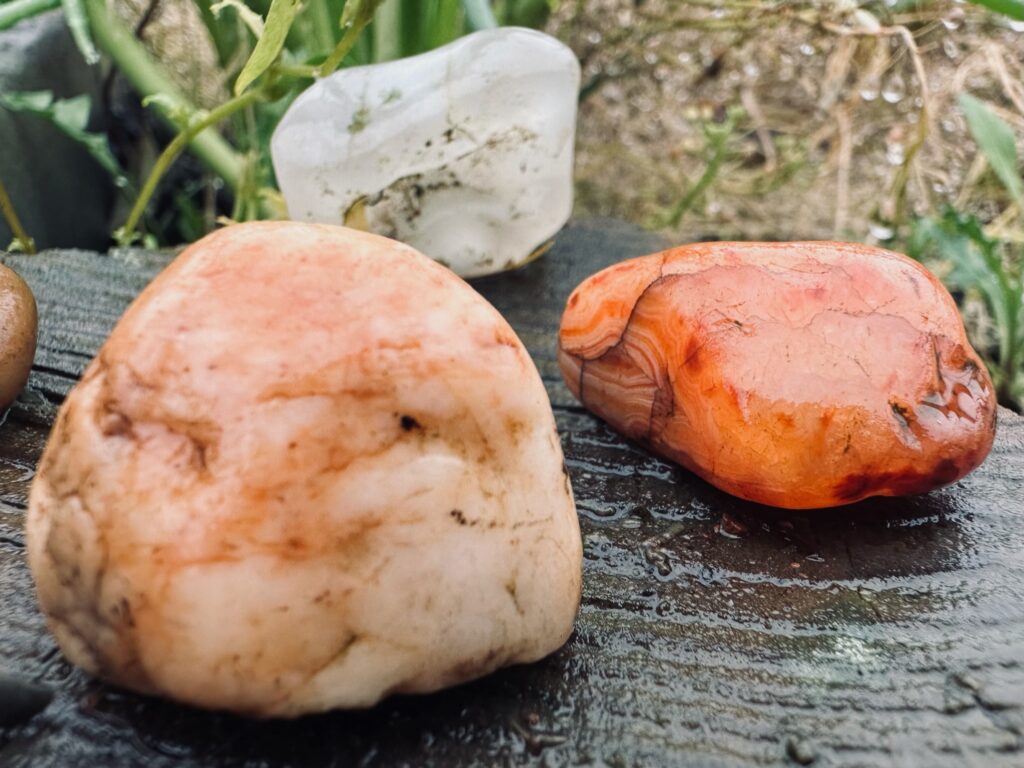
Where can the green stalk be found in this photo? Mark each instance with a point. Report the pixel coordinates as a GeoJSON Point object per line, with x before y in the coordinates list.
{"type": "Point", "coordinates": [387, 32]}
{"type": "Point", "coordinates": [7, 208]}
{"type": "Point", "coordinates": [718, 137]}
{"type": "Point", "coordinates": [340, 51]}
{"type": "Point", "coordinates": [148, 78]}
{"type": "Point", "coordinates": [479, 15]}
{"type": "Point", "coordinates": [172, 150]}
{"type": "Point", "coordinates": [19, 10]}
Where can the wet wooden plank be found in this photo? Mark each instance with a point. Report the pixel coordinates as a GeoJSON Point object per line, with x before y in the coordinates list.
{"type": "Point", "coordinates": [713, 632]}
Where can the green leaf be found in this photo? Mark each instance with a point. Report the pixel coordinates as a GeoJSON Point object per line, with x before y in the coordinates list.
{"type": "Point", "coordinates": [72, 117]}
{"type": "Point", "coordinates": [995, 138]}
{"type": "Point", "coordinates": [279, 21]}
{"type": "Point", "coordinates": [1012, 8]}
{"type": "Point", "coordinates": [977, 265]}
{"type": "Point", "coordinates": [78, 23]}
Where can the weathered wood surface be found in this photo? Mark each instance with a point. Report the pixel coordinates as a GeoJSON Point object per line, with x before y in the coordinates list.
{"type": "Point", "coordinates": [712, 632]}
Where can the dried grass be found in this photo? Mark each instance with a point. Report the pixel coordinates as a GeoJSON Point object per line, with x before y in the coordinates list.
{"type": "Point", "coordinates": [851, 120]}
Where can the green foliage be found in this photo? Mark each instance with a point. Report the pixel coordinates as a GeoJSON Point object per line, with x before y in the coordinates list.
{"type": "Point", "coordinates": [717, 135]}
{"type": "Point", "coordinates": [271, 50]}
{"type": "Point", "coordinates": [72, 117]}
{"type": "Point", "coordinates": [985, 267]}
{"type": "Point", "coordinates": [268, 48]}
{"type": "Point", "coordinates": [995, 139]}
{"type": "Point", "coordinates": [523, 13]}
{"type": "Point", "coordinates": [1012, 8]}
{"type": "Point", "coordinates": [980, 264]}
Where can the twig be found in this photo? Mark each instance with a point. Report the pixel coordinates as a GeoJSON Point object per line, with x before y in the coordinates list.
{"type": "Point", "coordinates": [1012, 89]}
{"type": "Point", "coordinates": [340, 51]}
{"type": "Point", "coordinates": [7, 208]}
{"type": "Point", "coordinates": [845, 155]}
{"type": "Point", "coordinates": [899, 185]}
{"type": "Point", "coordinates": [764, 137]}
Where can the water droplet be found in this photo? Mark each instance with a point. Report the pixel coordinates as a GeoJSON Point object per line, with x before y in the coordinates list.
{"type": "Point", "coordinates": [731, 527]}
{"type": "Point", "coordinates": [751, 70]}
{"type": "Point", "coordinates": [880, 231]}
{"type": "Point", "coordinates": [869, 91]}
{"type": "Point", "coordinates": [954, 18]}
{"type": "Point", "coordinates": [807, 49]}
{"type": "Point", "coordinates": [894, 90]}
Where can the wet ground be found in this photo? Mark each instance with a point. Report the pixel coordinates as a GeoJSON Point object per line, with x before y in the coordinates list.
{"type": "Point", "coordinates": [712, 632]}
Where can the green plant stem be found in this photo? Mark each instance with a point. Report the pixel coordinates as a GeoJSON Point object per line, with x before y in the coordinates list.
{"type": "Point", "coordinates": [710, 173]}
{"type": "Point", "coordinates": [148, 78]}
{"type": "Point", "coordinates": [479, 14]}
{"type": "Point", "coordinates": [7, 208]}
{"type": "Point", "coordinates": [172, 150]}
{"type": "Point", "coordinates": [294, 70]}
{"type": "Point", "coordinates": [19, 10]}
{"type": "Point", "coordinates": [340, 51]}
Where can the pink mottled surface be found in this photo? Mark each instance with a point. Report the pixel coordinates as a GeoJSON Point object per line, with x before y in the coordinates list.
{"type": "Point", "coordinates": [309, 468]}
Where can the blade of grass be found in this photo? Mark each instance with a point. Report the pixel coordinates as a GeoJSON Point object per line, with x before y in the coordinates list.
{"type": "Point", "coordinates": [19, 10]}
{"type": "Point", "coordinates": [995, 139]}
{"type": "Point", "coordinates": [444, 23]}
{"type": "Point", "coordinates": [479, 15]}
{"type": "Point", "coordinates": [388, 43]}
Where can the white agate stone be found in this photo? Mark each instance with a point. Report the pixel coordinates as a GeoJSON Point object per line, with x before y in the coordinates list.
{"type": "Point", "coordinates": [465, 152]}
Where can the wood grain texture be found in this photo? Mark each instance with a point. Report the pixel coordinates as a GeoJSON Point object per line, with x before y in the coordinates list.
{"type": "Point", "coordinates": [713, 631]}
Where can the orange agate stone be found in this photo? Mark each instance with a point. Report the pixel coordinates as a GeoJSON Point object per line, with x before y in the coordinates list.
{"type": "Point", "coordinates": [793, 374]}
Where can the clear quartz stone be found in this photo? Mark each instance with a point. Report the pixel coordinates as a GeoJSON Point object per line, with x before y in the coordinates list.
{"type": "Point", "coordinates": [465, 152]}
